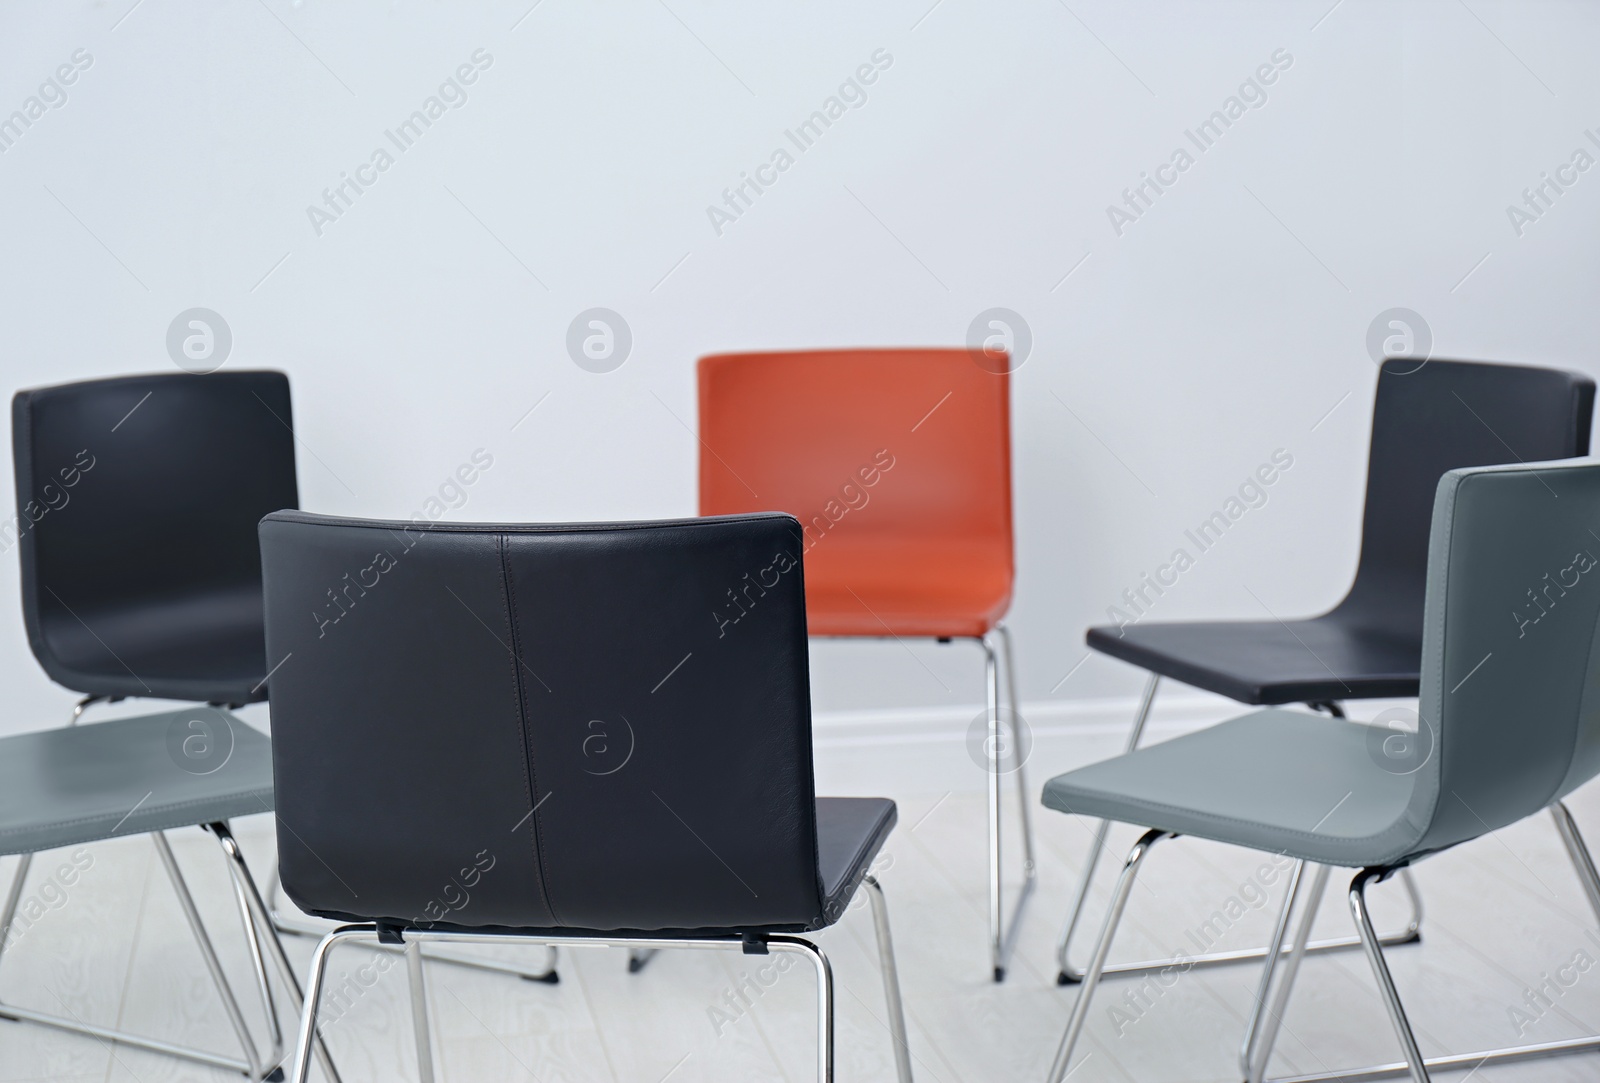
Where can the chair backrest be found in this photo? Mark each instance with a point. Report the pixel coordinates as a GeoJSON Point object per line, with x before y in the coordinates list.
{"type": "Point", "coordinates": [1511, 661]}
{"type": "Point", "coordinates": [139, 490]}
{"type": "Point", "coordinates": [1441, 416]}
{"type": "Point", "coordinates": [876, 451]}
{"type": "Point", "coordinates": [542, 726]}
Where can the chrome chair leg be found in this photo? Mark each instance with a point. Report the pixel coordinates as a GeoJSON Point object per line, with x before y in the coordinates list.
{"type": "Point", "coordinates": [1002, 934]}
{"type": "Point", "coordinates": [419, 1011]}
{"type": "Point", "coordinates": [254, 1067]}
{"type": "Point", "coordinates": [1024, 806]}
{"type": "Point", "coordinates": [88, 701]}
{"type": "Point", "coordinates": [1256, 1067]}
{"type": "Point", "coordinates": [1582, 860]}
{"type": "Point", "coordinates": [245, 882]}
{"type": "Point", "coordinates": [229, 1003]}
{"type": "Point", "coordinates": [824, 970]}
{"type": "Point", "coordinates": [1413, 930]}
{"type": "Point", "coordinates": [891, 979]}
{"type": "Point", "coordinates": [258, 963]}
{"type": "Point", "coordinates": [1380, 971]}
{"type": "Point", "coordinates": [320, 927]}
{"type": "Point", "coordinates": [313, 998]}
{"type": "Point", "coordinates": [1067, 974]}
{"type": "Point", "coordinates": [308, 1029]}
{"type": "Point", "coordinates": [1097, 962]}
{"type": "Point", "coordinates": [1280, 929]}
{"type": "Point", "coordinates": [13, 899]}
{"type": "Point", "coordinates": [1415, 1065]}
{"type": "Point", "coordinates": [996, 918]}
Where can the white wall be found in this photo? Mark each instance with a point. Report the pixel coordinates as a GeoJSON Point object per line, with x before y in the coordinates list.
{"type": "Point", "coordinates": [1224, 324]}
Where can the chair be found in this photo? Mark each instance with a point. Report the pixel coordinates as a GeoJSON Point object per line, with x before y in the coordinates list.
{"type": "Point", "coordinates": [137, 502]}
{"type": "Point", "coordinates": [77, 785]}
{"type": "Point", "coordinates": [898, 465]}
{"type": "Point", "coordinates": [1507, 727]}
{"type": "Point", "coordinates": [137, 499]}
{"type": "Point", "coordinates": [437, 777]}
{"type": "Point", "coordinates": [1427, 420]}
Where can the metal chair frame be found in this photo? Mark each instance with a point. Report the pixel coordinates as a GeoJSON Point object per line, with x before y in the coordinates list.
{"type": "Point", "coordinates": [1002, 931]}
{"type": "Point", "coordinates": [411, 941]}
{"type": "Point", "coordinates": [1262, 1029]}
{"type": "Point", "coordinates": [1067, 974]}
{"type": "Point", "coordinates": [260, 936]}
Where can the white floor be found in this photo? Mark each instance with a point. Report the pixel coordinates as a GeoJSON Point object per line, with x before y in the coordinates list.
{"type": "Point", "coordinates": [1503, 914]}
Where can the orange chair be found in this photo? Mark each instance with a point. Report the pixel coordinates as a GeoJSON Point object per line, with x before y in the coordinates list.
{"type": "Point", "coordinates": [898, 465]}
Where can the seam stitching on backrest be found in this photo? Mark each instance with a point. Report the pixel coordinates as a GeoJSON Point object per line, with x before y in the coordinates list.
{"type": "Point", "coordinates": [530, 774]}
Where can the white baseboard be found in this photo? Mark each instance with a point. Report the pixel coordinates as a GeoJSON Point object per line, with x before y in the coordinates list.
{"type": "Point", "coordinates": [925, 750]}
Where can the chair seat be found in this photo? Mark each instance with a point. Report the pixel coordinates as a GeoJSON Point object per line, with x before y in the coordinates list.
{"type": "Point", "coordinates": [208, 647]}
{"type": "Point", "coordinates": [1273, 662]}
{"type": "Point", "coordinates": [850, 832]}
{"type": "Point", "coordinates": [82, 784]}
{"type": "Point", "coordinates": [1274, 780]}
{"type": "Point", "coordinates": [924, 589]}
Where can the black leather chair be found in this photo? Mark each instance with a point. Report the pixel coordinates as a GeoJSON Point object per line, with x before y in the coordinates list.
{"type": "Point", "coordinates": [138, 499]}
{"type": "Point", "coordinates": [1426, 420]}
{"type": "Point", "coordinates": [137, 504]}
{"type": "Point", "coordinates": [437, 768]}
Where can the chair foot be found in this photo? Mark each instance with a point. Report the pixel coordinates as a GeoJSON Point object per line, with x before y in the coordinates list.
{"type": "Point", "coordinates": [1063, 978]}
{"type": "Point", "coordinates": [999, 974]}
{"type": "Point", "coordinates": [275, 1076]}
{"type": "Point", "coordinates": [639, 958]}
{"type": "Point", "coordinates": [550, 977]}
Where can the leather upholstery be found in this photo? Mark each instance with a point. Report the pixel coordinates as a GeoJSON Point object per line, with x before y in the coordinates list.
{"type": "Point", "coordinates": [137, 500]}
{"type": "Point", "coordinates": [1274, 780]}
{"type": "Point", "coordinates": [850, 832]}
{"type": "Point", "coordinates": [598, 727]}
{"type": "Point", "coordinates": [1266, 662]}
{"type": "Point", "coordinates": [1445, 415]}
{"type": "Point", "coordinates": [897, 464]}
{"type": "Point", "coordinates": [1509, 705]}
{"type": "Point", "coordinates": [129, 776]}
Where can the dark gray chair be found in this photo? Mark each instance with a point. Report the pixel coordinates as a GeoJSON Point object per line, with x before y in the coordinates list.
{"type": "Point", "coordinates": [137, 500]}
{"type": "Point", "coordinates": [137, 504]}
{"type": "Point", "coordinates": [1427, 419]}
{"type": "Point", "coordinates": [1509, 724]}
{"type": "Point", "coordinates": [437, 770]}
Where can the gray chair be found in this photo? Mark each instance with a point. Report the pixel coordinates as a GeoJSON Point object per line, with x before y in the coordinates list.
{"type": "Point", "coordinates": [1509, 724]}
{"type": "Point", "coordinates": [78, 785]}
{"type": "Point", "coordinates": [1425, 420]}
